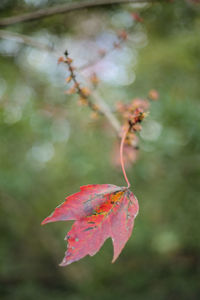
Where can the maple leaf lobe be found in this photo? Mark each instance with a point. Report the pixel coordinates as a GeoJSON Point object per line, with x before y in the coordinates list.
{"type": "Point", "coordinates": [100, 211]}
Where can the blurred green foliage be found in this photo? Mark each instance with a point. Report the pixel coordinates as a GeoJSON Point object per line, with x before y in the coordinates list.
{"type": "Point", "coordinates": [45, 155]}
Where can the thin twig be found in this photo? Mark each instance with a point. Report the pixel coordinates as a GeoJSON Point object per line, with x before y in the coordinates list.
{"type": "Point", "coordinates": [122, 158]}
{"type": "Point", "coordinates": [61, 9]}
{"type": "Point", "coordinates": [77, 87]}
{"type": "Point", "coordinates": [100, 105]}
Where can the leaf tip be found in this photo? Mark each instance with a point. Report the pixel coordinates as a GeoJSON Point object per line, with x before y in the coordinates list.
{"type": "Point", "coordinates": [65, 262]}
{"type": "Point", "coordinates": [113, 260]}
{"type": "Point", "coordinates": [45, 221]}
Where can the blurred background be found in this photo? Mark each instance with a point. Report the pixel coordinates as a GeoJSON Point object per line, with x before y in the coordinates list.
{"type": "Point", "coordinates": [50, 146]}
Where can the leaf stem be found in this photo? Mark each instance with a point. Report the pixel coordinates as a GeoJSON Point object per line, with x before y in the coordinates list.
{"type": "Point", "coordinates": [122, 158]}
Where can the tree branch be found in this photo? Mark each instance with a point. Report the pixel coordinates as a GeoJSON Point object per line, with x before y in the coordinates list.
{"type": "Point", "coordinates": [24, 39]}
{"type": "Point", "coordinates": [61, 9]}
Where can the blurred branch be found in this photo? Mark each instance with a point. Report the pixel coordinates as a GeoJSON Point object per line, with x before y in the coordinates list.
{"type": "Point", "coordinates": [44, 47]}
{"type": "Point", "coordinates": [105, 109]}
{"type": "Point", "coordinates": [122, 37]}
{"type": "Point", "coordinates": [98, 105]}
{"type": "Point", "coordinates": [24, 39]}
{"type": "Point", "coordinates": [61, 9]}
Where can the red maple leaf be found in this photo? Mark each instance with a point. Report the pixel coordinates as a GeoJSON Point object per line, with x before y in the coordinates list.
{"type": "Point", "coordinates": [100, 211]}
